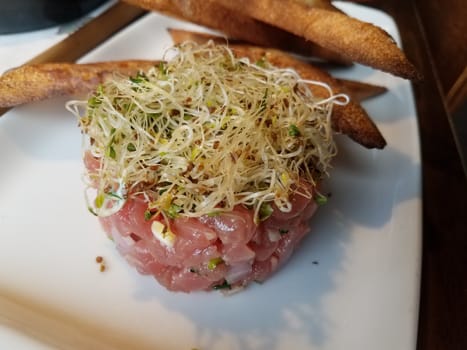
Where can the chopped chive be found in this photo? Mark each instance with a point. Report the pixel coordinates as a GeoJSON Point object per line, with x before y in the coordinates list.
{"type": "Point", "coordinates": [147, 215]}
{"type": "Point", "coordinates": [92, 211]}
{"type": "Point", "coordinates": [265, 211]}
{"type": "Point", "coordinates": [173, 211]}
{"type": "Point", "coordinates": [94, 101]}
{"type": "Point", "coordinates": [283, 231]}
{"type": "Point", "coordinates": [139, 78]}
{"type": "Point", "coordinates": [214, 262]}
{"type": "Point", "coordinates": [293, 130]}
{"type": "Point", "coordinates": [131, 147]}
{"type": "Point", "coordinates": [113, 194]}
{"type": "Point", "coordinates": [99, 201]}
{"type": "Point", "coordinates": [261, 62]}
{"type": "Point", "coordinates": [223, 285]}
{"type": "Point", "coordinates": [320, 199]}
{"type": "Point", "coordinates": [111, 152]}
{"type": "Point", "coordinates": [195, 151]}
{"type": "Point", "coordinates": [263, 102]}
{"type": "Point", "coordinates": [162, 68]}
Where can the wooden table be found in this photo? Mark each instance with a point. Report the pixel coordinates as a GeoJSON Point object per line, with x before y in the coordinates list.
{"type": "Point", "coordinates": [443, 304]}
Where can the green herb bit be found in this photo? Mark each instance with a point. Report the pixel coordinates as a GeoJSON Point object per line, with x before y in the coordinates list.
{"type": "Point", "coordinates": [140, 77]}
{"type": "Point", "coordinates": [214, 213]}
{"type": "Point", "coordinates": [223, 285]}
{"type": "Point", "coordinates": [162, 69]}
{"type": "Point", "coordinates": [94, 101]}
{"type": "Point", "coordinates": [265, 211]}
{"type": "Point", "coordinates": [320, 199]}
{"type": "Point", "coordinates": [115, 195]}
{"type": "Point", "coordinates": [147, 215]}
{"type": "Point", "coordinates": [283, 231]}
{"type": "Point", "coordinates": [214, 262]}
{"type": "Point", "coordinates": [210, 103]}
{"type": "Point", "coordinates": [131, 147]}
{"type": "Point", "coordinates": [92, 211]}
{"type": "Point", "coordinates": [293, 130]}
{"type": "Point", "coordinates": [264, 102]}
{"type": "Point", "coordinates": [161, 191]}
{"type": "Point", "coordinates": [110, 152]}
{"type": "Point", "coordinates": [261, 62]}
{"type": "Point", "coordinates": [173, 211]}
{"type": "Point", "coordinates": [99, 201]}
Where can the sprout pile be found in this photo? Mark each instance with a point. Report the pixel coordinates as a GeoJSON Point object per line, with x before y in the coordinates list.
{"type": "Point", "coordinates": [204, 132]}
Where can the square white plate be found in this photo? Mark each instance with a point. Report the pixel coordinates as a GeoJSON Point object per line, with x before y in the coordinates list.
{"type": "Point", "coordinates": [353, 284]}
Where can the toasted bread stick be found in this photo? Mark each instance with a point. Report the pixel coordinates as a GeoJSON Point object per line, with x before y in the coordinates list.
{"type": "Point", "coordinates": [358, 91]}
{"type": "Point", "coordinates": [235, 25]}
{"type": "Point", "coordinates": [358, 41]}
{"type": "Point", "coordinates": [30, 83]}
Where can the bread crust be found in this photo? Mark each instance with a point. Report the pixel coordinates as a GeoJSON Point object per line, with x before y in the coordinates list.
{"type": "Point", "coordinates": [236, 25]}
{"type": "Point", "coordinates": [37, 82]}
{"type": "Point", "coordinates": [356, 40]}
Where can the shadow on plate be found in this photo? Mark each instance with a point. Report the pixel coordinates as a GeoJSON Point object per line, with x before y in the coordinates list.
{"type": "Point", "coordinates": [292, 309]}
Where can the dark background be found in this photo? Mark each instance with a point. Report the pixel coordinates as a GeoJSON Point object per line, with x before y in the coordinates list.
{"type": "Point", "coordinates": [24, 15]}
{"type": "Point", "coordinates": [434, 37]}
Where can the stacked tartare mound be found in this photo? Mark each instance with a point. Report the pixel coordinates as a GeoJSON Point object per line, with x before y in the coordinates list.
{"type": "Point", "coordinates": [225, 251]}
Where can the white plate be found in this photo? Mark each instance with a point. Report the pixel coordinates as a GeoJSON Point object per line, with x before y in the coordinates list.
{"type": "Point", "coordinates": [352, 285]}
